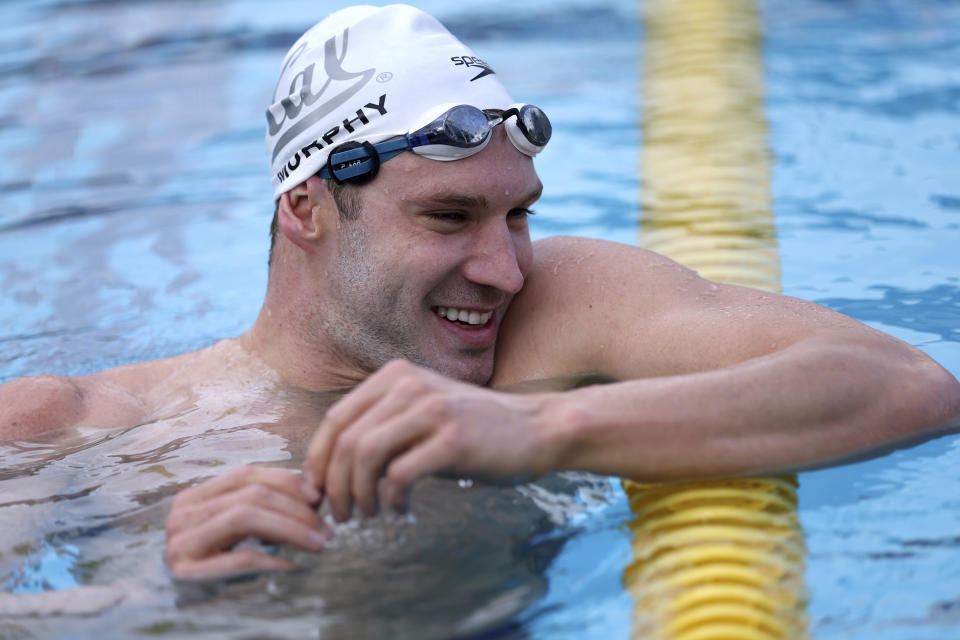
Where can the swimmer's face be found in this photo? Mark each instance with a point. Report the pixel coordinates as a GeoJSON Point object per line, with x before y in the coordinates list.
{"type": "Point", "coordinates": [428, 269]}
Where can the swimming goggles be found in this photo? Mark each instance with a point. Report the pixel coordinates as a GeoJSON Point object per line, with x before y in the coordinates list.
{"type": "Point", "coordinates": [459, 133]}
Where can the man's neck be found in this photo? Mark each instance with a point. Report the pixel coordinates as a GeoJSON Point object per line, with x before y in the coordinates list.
{"type": "Point", "coordinates": [299, 355]}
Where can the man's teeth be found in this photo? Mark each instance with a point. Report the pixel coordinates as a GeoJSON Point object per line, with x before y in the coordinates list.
{"type": "Point", "coordinates": [461, 315]}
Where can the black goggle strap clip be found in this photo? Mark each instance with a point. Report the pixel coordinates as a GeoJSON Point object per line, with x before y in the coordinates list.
{"type": "Point", "coordinates": [359, 162]}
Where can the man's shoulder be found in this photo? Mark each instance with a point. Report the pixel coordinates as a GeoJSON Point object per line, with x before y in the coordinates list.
{"type": "Point", "coordinates": [28, 403]}
{"type": "Point", "coordinates": [570, 304]}
{"type": "Point", "coordinates": [117, 397]}
{"type": "Point", "coordinates": [562, 260]}
{"type": "Point", "coordinates": [568, 271]}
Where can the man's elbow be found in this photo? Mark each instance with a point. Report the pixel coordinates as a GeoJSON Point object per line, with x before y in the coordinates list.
{"type": "Point", "coordinates": [950, 394]}
{"type": "Point", "coordinates": [35, 404]}
{"type": "Point", "coordinates": [934, 396]}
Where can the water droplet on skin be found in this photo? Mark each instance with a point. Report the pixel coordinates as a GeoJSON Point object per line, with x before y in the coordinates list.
{"type": "Point", "coordinates": [465, 483]}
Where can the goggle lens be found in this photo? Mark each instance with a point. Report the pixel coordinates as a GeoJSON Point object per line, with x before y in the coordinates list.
{"type": "Point", "coordinates": [535, 125]}
{"type": "Point", "coordinates": [465, 126]}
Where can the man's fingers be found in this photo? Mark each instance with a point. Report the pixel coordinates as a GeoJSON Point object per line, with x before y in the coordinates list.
{"type": "Point", "coordinates": [229, 527]}
{"type": "Point", "coordinates": [393, 379]}
{"type": "Point", "coordinates": [336, 484]}
{"type": "Point", "coordinates": [354, 445]}
{"type": "Point", "coordinates": [378, 446]}
{"type": "Point", "coordinates": [186, 516]}
{"type": "Point", "coordinates": [316, 464]}
{"type": "Point", "coordinates": [434, 455]}
{"type": "Point", "coordinates": [270, 504]}
{"type": "Point", "coordinates": [340, 416]}
{"type": "Point", "coordinates": [280, 479]}
{"type": "Point", "coordinates": [230, 562]}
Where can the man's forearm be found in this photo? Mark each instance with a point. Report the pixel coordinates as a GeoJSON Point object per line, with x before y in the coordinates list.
{"type": "Point", "coordinates": [820, 400]}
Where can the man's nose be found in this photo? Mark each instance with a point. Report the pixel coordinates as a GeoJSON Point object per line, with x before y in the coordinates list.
{"type": "Point", "coordinates": [493, 260]}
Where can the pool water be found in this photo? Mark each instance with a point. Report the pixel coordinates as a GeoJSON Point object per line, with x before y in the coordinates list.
{"type": "Point", "coordinates": [863, 102]}
{"type": "Point", "coordinates": [135, 207]}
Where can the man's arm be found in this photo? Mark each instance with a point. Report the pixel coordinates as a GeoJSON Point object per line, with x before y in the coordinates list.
{"type": "Point", "coordinates": [717, 380]}
{"type": "Point", "coordinates": [814, 402]}
{"type": "Point", "coordinates": [36, 404]}
{"type": "Point", "coordinates": [120, 397]}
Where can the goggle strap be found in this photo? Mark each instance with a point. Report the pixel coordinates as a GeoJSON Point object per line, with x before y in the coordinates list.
{"type": "Point", "coordinates": [357, 162]}
{"type": "Point", "coordinates": [391, 148]}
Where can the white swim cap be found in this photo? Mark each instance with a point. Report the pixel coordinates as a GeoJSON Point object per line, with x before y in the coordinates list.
{"type": "Point", "coordinates": [369, 74]}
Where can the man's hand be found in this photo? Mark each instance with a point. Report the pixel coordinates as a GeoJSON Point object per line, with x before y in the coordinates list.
{"type": "Point", "coordinates": [207, 520]}
{"type": "Point", "coordinates": [405, 422]}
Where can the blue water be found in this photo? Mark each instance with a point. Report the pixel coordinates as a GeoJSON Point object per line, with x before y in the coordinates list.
{"type": "Point", "coordinates": [136, 201]}
{"type": "Point", "coordinates": [863, 101]}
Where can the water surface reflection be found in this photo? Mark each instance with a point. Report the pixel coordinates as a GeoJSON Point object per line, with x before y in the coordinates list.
{"type": "Point", "coordinates": [83, 516]}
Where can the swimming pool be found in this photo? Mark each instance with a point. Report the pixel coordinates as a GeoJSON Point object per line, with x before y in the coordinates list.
{"type": "Point", "coordinates": [134, 225]}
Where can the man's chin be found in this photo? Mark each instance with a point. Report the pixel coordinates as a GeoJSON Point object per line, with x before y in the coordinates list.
{"type": "Point", "coordinates": [477, 371]}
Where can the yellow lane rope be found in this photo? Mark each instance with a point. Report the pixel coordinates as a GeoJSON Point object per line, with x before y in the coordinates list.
{"type": "Point", "coordinates": [720, 559]}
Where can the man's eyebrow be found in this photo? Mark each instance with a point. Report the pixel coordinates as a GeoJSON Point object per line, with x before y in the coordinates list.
{"type": "Point", "coordinates": [455, 199]}
{"type": "Point", "coordinates": [471, 201]}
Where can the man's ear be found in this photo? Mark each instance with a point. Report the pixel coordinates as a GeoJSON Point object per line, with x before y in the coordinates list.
{"type": "Point", "coordinates": [302, 213]}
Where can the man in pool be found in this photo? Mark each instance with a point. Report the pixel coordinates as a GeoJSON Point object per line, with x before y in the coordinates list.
{"type": "Point", "coordinates": [402, 265]}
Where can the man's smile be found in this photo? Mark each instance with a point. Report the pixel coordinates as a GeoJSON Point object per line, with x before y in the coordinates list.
{"type": "Point", "coordinates": [464, 317]}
